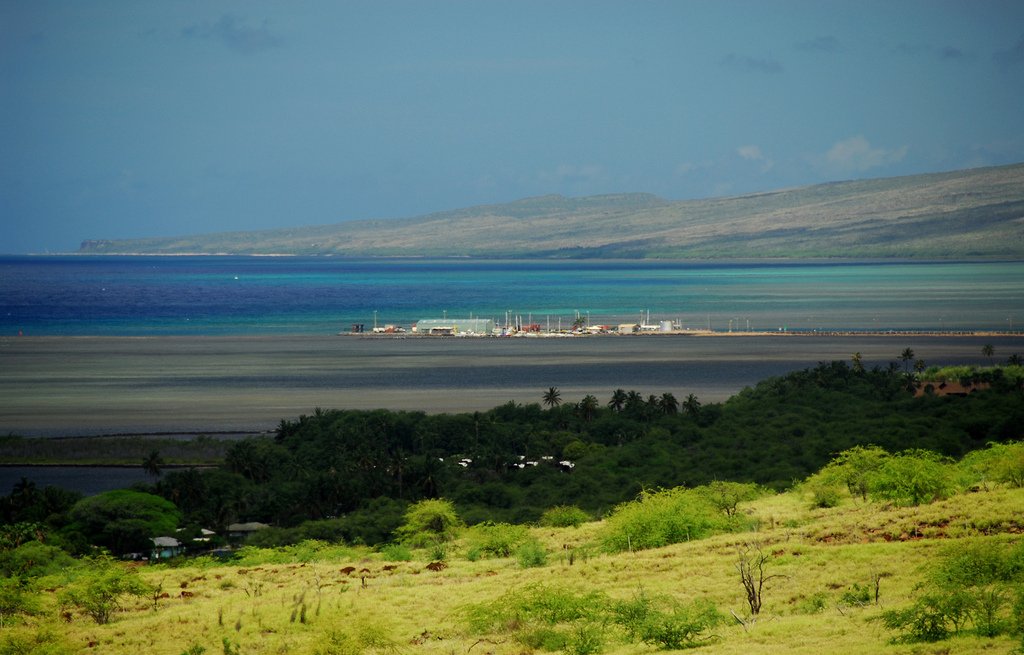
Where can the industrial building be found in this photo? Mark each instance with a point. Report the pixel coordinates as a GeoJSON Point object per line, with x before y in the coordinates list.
{"type": "Point", "coordinates": [454, 326]}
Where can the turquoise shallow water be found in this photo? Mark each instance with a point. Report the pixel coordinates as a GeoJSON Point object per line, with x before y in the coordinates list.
{"type": "Point", "coordinates": [74, 295]}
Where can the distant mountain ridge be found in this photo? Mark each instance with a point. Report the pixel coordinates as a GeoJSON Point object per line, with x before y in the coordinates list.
{"type": "Point", "coordinates": [974, 213]}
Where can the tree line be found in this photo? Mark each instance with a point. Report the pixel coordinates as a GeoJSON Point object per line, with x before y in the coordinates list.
{"type": "Point", "coordinates": [350, 474]}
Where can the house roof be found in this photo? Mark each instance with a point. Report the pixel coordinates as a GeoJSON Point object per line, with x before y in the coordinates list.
{"type": "Point", "coordinates": [247, 527]}
{"type": "Point", "coordinates": [165, 542]}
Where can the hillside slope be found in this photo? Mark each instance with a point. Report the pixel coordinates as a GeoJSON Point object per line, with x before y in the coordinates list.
{"type": "Point", "coordinates": [970, 213]}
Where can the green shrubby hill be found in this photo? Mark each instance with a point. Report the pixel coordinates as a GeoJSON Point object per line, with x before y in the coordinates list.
{"type": "Point", "coordinates": [960, 214]}
{"type": "Point", "coordinates": [772, 573]}
{"type": "Point", "coordinates": [826, 510]}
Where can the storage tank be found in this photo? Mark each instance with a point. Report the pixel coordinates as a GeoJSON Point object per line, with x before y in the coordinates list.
{"type": "Point", "coordinates": [666, 326]}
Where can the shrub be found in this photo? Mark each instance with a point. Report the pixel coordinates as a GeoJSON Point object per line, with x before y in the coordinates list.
{"type": "Point", "coordinates": [853, 468]}
{"type": "Point", "coordinates": [15, 599]}
{"type": "Point", "coordinates": [912, 478]}
{"type": "Point", "coordinates": [533, 606]}
{"type": "Point", "coordinates": [531, 554]}
{"type": "Point", "coordinates": [495, 539]}
{"type": "Point", "coordinates": [813, 604]}
{"type": "Point", "coordinates": [564, 516]}
{"type": "Point", "coordinates": [667, 623]}
{"type": "Point", "coordinates": [661, 518]}
{"type": "Point", "coordinates": [823, 493]}
{"type": "Point", "coordinates": [857, 594]}
{"type": "Point", "coordinates": [396, 553]}
{"type": "Point", "coordinates": [428, 522]}
{"type": "Point", "coordinates": [972, 584]}
{"type": "Point", "coordinates": [34, 641]}
{"type": "Point", "coordinates": [584, 639]}
{"type": "Point", "coordinates": [925, 620]}
{"type": "Point", "coordinates": [998, 463]}
{"type": "Point", "coordinates": [726, 496]}
{"type": "Point", "coordinates": [33, 559]}
{"type": "Point", "coordinates": [100, 586]}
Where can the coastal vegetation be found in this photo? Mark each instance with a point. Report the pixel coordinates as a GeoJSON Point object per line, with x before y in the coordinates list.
{"type": "Point", "coordinates": [833, 508]}
{"type": "Point", "coordinates": [962, 214]}
{"type": "Point", "coordinates": [772, 573]}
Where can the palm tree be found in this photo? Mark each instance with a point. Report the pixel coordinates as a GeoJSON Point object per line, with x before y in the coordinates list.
{"type": "Point", "coordinates": [153, 463]}
{"type": "Point", "coordinates": [618, 400]}
{"type": "Point", "coordinates": [588, 407]}
{"type": "Point", "coordinates": [858, 363]}
{"type": "Point", "coordinates": [919, 366]}
{"type": "Point", "coordinates": [1014, 360]}
{"type": "Point", "coordinates": [988, 350]}
{"type": "Point", "coordinates": [907, 356]}
{"type": "Point", "coordinates": [552, 398]}
{"type": "Point", "coordinates": [691, 405]}
{"type": "Point", "coordinates": [24, 493]}
{"type": "Point", "coordinates": [668, 404]}
{"type": "Point", "coordinates": [634, 401]}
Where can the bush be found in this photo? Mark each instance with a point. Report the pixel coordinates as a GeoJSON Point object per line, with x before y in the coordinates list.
{"type": "Point", "coordinates": [726, 496]}
{"type": "Point", "coordinates": [973, 584]}
{"type": "Point", "coordinates": [33, 559]}
{"type": "Point", "coordinates": [564, 516]}
{"type": "Point", "coordinates": [667, 623]}
{"type": "Point", "coordinates": [813, 604]}
{"type": "Point", "coordinates": [533, 606]}
{"type": "Point", "coordinates": [33, 641]}
{"type": "Point", "coordinates": [661, 518]}
{"type": "Point", "coordinates": [925, 620]}
{"type": "Point", "coordinates": [853, 469]}
{"type": "Point", "coordinates": [100, 586]}
{"type": "Point", "coordinates": [998, 463]}
{"type": "Point", "coordinates": [396, 553]}
{"type": "Point", "coordinates": [15, 599]}
{"type": "Point", "coordinates": [531, 554]}
{"type": "Point", "coordinates": [494, 539]}
{"type": "Point", "coordinates": [824, 494]}
{"type": "Point", "coordinates": [912, 478]}
{"type": "Point", "coordinates": [429, 522]}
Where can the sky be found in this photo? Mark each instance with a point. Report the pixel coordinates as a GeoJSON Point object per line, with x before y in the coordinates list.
{"type": "Point", "coordinates": [146, 118]}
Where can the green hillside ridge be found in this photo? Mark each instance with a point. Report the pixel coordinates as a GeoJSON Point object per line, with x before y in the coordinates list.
{"type": "Point", "coordinates": [865, 576]}
{"type": "Point", "coordinates": [895, 527]}
{"type": "Point", "coordinates": [974, 213]}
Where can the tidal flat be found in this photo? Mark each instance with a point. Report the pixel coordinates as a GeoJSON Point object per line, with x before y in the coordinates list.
{"type": "Point", "coordinates": [60, 386]}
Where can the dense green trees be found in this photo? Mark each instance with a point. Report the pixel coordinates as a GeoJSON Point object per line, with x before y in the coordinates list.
{"type": "Point", "coordinates": [503, 464]}
{"type": "Point", "coordinates": [335, 472]}
{"type": "Point", "coordinates": [123, 520]}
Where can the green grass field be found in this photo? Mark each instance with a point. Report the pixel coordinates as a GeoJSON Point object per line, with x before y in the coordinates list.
{"type": "Point", "coordinates": [822, 564]}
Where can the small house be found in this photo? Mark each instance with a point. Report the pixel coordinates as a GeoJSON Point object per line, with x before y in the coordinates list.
{"type": "Point", "coordinates": [165, 548]}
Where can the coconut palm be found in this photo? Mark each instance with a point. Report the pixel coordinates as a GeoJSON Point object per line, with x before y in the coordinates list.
{"type": "Point", "coordinates": [634, 401]}
{"type": "Point", "coordinates": [668, 404]}
{"type": "Point", "coordinates": [618, 400]}
{"type": "Point", "coordinates": [988, 351]}
{"type": "Point", "coordinates": [691, 405]}
{"type": "Point", "coordinates": [153, 463]}
{"type": "Point", "coordinates": [588, 407]}
{"type": "Point", "coordinates": [552, 398]}
{"type": "Point", "coordinates": [907, 356]}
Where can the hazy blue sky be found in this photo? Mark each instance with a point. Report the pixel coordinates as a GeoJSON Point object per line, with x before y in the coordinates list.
{"type": "Point", "coordinates": [135, 118]}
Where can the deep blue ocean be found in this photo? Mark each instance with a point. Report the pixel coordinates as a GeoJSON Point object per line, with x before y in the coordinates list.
{"type": "Point", "coordinates": [140, 295]}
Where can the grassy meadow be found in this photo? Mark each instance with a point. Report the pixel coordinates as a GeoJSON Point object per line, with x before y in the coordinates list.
{"type": "Point", "coordinates": [822, 565]}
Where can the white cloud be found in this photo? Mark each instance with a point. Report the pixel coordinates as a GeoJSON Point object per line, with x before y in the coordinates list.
{"type": "Point", "coordinates": [857, 155]}
{"type": "Point", "coordinates": [754, 154]}
{"type": "Point", "coordinates": [750, 153]}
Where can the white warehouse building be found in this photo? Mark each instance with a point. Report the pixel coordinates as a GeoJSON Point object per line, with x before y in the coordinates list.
{"type": "Point", "coordinates": [463, 326]}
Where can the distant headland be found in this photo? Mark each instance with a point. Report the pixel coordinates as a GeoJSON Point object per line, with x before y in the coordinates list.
{"type": "Point", "coordinates": [967, 214]}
